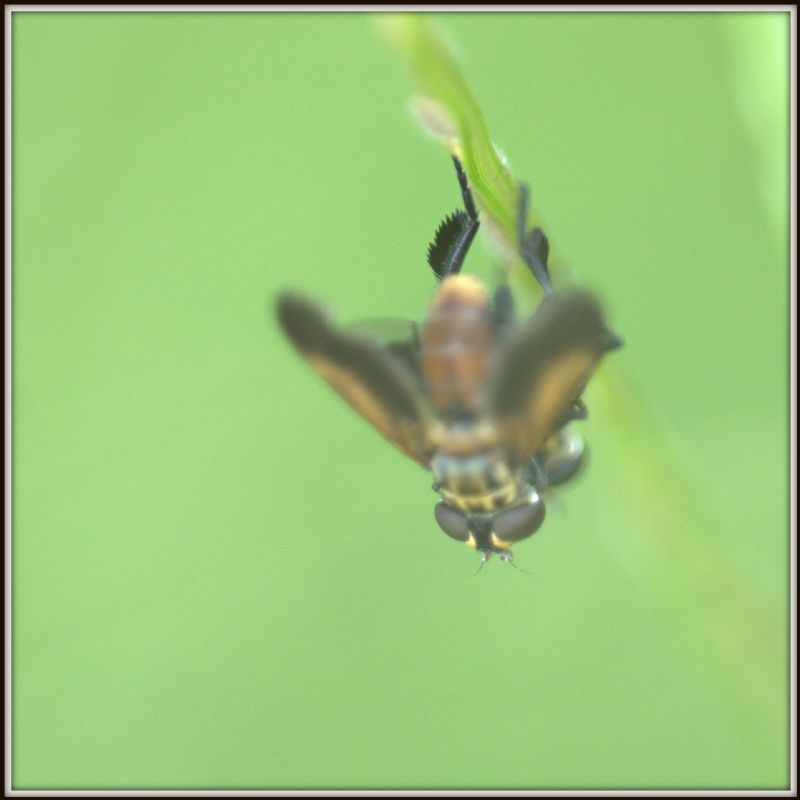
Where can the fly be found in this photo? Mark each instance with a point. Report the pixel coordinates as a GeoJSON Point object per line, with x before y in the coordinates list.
{"type": "Point", "coordinates": [476, 397]}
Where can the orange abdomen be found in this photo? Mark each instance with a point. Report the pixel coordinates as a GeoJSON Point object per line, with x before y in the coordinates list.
{"type": "Point", "coordinates": [457, 347]}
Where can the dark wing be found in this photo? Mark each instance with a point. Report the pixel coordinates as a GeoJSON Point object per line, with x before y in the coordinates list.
{"type": "Point", "coordinates": [399, 336]}
{"type": "Point", "coordinates": [544, 368]}
{"type": "Point", "coordinates": [372, 380]}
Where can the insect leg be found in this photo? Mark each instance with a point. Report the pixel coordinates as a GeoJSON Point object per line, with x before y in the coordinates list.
{"type": "Point", "coordinates": [455, 234]}
{"type": "Point", "coordinates": [466, 193]}
{"type": "Point", "coordinates": [533, 245]}
{"type": "Point", "coordinates": [613, 341]}
{"type": "Point", "coordinates": [577, 410]}
{"type": "Point", "coordinates": [503, 310]}
{"type": "Point", "coordinates": [537, 475]}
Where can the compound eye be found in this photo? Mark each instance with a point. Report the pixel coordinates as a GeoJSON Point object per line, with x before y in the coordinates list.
{"type": "Point", "coordinates": [452, 522]}
{"type": "Point", "coordinates": [562, 457]}
{"type": "Point", "coordinates": [519, 522]}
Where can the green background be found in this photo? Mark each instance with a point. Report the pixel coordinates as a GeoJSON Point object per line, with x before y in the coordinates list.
{"type": "Point", "coordinates": [222, 577]}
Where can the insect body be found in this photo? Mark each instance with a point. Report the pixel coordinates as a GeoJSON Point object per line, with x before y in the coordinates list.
{"type": "Point", "coordinates": [476, 398]}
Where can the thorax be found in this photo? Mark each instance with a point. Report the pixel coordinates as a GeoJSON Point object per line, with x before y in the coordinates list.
{"type": "Point", "coordinates": [472, 473]}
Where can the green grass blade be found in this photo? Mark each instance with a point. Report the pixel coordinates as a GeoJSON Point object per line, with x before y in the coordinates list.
{"type": "Point", "coordinates": [668, 538]}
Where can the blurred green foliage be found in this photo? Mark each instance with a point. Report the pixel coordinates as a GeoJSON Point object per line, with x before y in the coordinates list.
{"type": "Point", "coordinates": [222, 577]}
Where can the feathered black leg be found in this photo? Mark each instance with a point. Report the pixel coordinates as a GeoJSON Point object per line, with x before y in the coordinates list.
{"type": "Point", "coordinates": [451, 243]}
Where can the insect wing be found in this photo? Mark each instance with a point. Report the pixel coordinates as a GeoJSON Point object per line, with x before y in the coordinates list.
{"type": "Point", "coordinates": [387, 330]}
{"type": "Point", "coordinates": [401, 337]}
{"type": "Point", "coordinates": [543, 369]}
{"type": "Point", "coordinates": [376, 383]}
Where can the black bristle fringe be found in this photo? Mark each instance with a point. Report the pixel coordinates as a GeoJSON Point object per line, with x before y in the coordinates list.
{"type": "Point", "coordinates": [447, 235]}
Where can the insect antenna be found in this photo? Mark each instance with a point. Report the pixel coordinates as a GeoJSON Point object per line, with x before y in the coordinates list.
{"type": "Point", "coordinates": [484, 559]}
{"type": "Point", "coordinates": [509, 559]}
